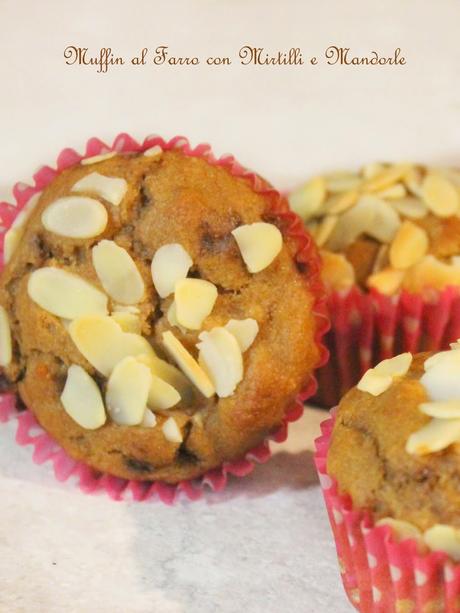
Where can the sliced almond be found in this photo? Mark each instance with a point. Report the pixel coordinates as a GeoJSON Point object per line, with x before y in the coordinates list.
{"type": "Point", "coordinates": [440, 358]}
{"type": "Point", "coordinates": [395, 192]}
{"type": "Point", "coordinates": [431, 273]}
{"type": "Point", "coordinates": [95, 159]}
{"type": "Point", "coordinates": [188, 364]}
{"type": "Point", "coordinates": [103, 343]}
{"type": "Point", "coordinates": [259, 244]}
{"type": "Point", "coordinates": [343, 183]}
{"type": "Point", "coordinates": [395, 367]}
{"type": "Point", "coordinates": [149, 420]}
{"type": "Point", "coordinates": [369, 171]}
{"type": "Point", "coordinates": [170, 374]}
{"type": "Point", "coordinates": [447, 409]}
{"type": "Point", "coordinates": [353, 223]}
{"type": "Point", "coordinates": [172, 431]}
{"type": "Point", "coordinates": [438, 434]}
{"type": "Point", "coordinates": [82, 399]}
{"type": "Point", "coordinates": [16, 231]}
{"type": "Point", "coordinates": [128, 322]}
{"type": "Point", "coordinates": [402, 529]}
{"type": "Point", "coordinates": [127, 392]}
{"type": "Point", "coordinates": [387, 281]}
{"type": "Point", "coordinates": [441, 379]}
{"type": "Point", "coordinates": [307, 199]}
{"type": "Point", "coordinates": [413, 181]}
{"type": "Point", "coordinates": [244, 330]}
{"type": "Point", "coordinates": [386, 178]}
{"type": "Point", "coordinates": [440, 196]}
{"type": "Point", "coordinates": [75, 217]}
{"type": "Point", "coordinates": [374, 383]}
{"type": "Point", "coordinates": [386, 222]}
{"type": "Point", "coordinates": [409, 246]}
{"type": "Point", "coordinates": [325, 229]}
{"type": "Point", "coordinates": [153, 152]}
{"type": "Point", "coordinates": [337, 272]}
{"type": "Point", "coordinates": [444, 538]}
{"type": "Point", "coordinates": [339, 203]}
{"type": "Point", "coordinates": [194, 300]}
{"type": "Point", "coordinates": [221, 356]}
{"type": "Point", "coordinates": [117, 272]}
{"type": "Point", "coordinates": [64, 294]}
{"type": "Point", "coordinates": [411, 207]}
{"type": "Point", "coordinates": [170, 264]}
{"type": "Point", "coordinates": [162, 396]}
{"type": "Point", "coordinates": [171, 316]}
{"type": "Point", "coordinates": [6, 347]}
{"type": "Point", "coordinates": [112, 189]}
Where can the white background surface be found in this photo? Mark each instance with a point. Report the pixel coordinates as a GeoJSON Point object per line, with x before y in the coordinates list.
{"type": "Point", "coordinates": [264, 544]}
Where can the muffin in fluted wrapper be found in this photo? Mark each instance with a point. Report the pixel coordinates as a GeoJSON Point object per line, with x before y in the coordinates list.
{"type": "Point", "coordinates": [389, 464]}
{"type": "Point", "coordinates": [150, 280]}
{"type": "Point", "coordinates": [389, 239]}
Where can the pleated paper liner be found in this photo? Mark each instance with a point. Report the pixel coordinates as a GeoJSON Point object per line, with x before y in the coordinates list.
{"type": "Point", "coordinates": [46, 449]}
{"type": "Point", "coordinates": [380, 574]}
{"type": "Point", "coordinates": [369, 327]}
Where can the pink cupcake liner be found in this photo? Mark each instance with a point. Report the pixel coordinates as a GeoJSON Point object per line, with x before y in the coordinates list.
{"type": "Point", "coordinates": [369, 327]}
{"type": "Point", "coordinates": [380, 574]}
{"type": "Point", "coordinates": [46, 449]}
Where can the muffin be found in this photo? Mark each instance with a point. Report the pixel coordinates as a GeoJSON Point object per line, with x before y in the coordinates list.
{"type": "Point", "coordinates": [158, 314]}
{"type": "Point", "coordinates": [390, 242]}
{"type": "Point", "coordinates": [390, 465]}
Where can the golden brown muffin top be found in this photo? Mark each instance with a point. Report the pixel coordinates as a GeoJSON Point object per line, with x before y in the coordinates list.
{"type": "Point", "coordinates": [391, 227]}
{"type": "Point", "coordinates": [149, 202]}
{"type": "Point", "coordinates": [395, 446]}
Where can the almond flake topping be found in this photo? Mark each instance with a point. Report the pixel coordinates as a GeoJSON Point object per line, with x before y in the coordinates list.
{"type": "Point", "coordinates": [194, 300]}
{"type": "Point", "coordinates": [117, 272]}
{"type": "Point", "coordinates": [444, 538]}
{"type": "Point", "coordinates": [95, 159]}
{"type": "Point", "coordinates": [128, 322]}
{"type": "Point", "coordinates": [307, 199]}
{"type": "Point", "coordinates": [162, 395]}
{"type": "Point", "coordinates": [220, 356]}
{"type": "Point", "coordinates": [75, 217]}
{"type": "Point", "coordinates": [344, 211]}
{"type": "Point", "coordinates": [112, 189]}
{"type": "Point", "coordinates": [127, 392]}
{"type": "Point", "coordinates": [149, 420]}
{"type": "Point", "coordinates": [170, 264]}
{"type": "Point", "coordinates": [188, 364]}
{"type": "Point", "coordinates": [172, 431]}
{"type": "Point", "coordinates": [82, 400]}
{"type": "Point", "coordinates": [409, 246]}
{"type": "Point", "coordinates": [64, 294]}
{"type": "Point", "coordinates": [440, 196]}
{"type": "Point", "coordinates": [259, 244]}
{"type": "Point", "coordinates": [377, 380]}
{"type": "Point", "coordinates": [441, 382]}
{"type": "Point", "coordinates": [435, 436]}
{"type": "Point", "coordinates": [104, 344]}
{"type": "Point", "coordinates": [244, 330]}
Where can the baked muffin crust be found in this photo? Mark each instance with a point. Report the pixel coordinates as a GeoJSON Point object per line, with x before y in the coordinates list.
{"type": "Point", "coordinates": [171, 198]}
{"type": "Point", "coordinates": [369, 459]}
